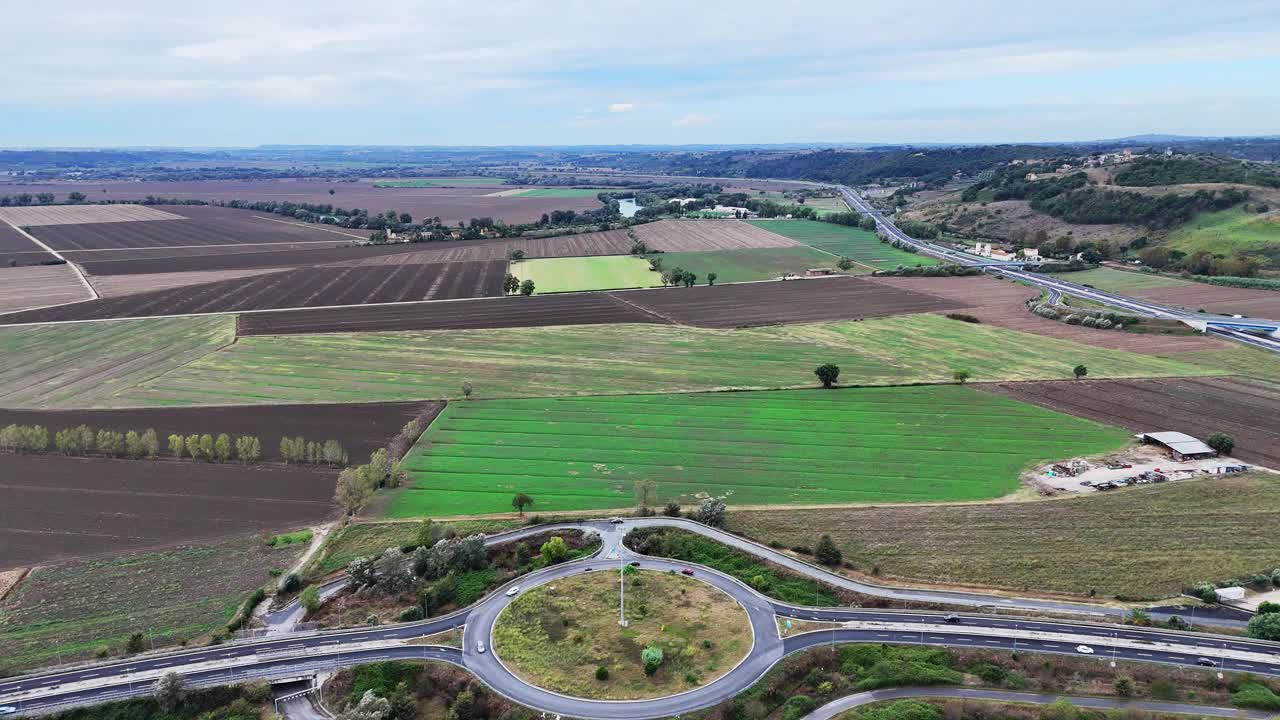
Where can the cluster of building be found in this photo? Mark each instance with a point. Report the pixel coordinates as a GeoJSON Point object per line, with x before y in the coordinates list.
{"type": "Point", "coordinates": [984, 249]}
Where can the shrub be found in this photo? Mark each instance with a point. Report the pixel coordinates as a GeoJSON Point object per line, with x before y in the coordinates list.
{"type": "Point", "coordinates": [602, 673]}
{"type": "Point", "coordinates": [410, 614]}
{"type": "Point", "coordinates": [963, 317]}
{"type": "Point", "coordinates": [1265, 627]}
{"type": "Point", "coordinates": [797, 706]}
{"type": "Point", "coordinates": [1255, 695]}
{"type": "Point", "coordinates": [1221, 442]}
{"type": "Point", "coordinates": [827, 553]}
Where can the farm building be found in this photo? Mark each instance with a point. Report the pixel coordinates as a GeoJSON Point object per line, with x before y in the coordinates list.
{"type": "Point", "coordinates": [819, 272]}
{"type": "Point", "coordinates": [1181, 445]}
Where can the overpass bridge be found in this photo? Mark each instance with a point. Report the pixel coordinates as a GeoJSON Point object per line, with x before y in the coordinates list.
{"type": "Point", "coordinates": [1258, 332]}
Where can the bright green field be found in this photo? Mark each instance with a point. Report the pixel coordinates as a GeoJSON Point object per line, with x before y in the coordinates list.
{"type": "Point", "coordinates": [807, 446]}
{"type": "Point", "coordinates": [857, 244]}
{"type": "Point", "coordinates": [559, 192]}
{"type": "Point", "coordinates": [552, 275]}
{"type": "Point", "coordinates": [1230, 232]}
{"type": "Point", "coordinates": [1111, 280]}
{"type": "Point", "coordinates": [750, 264]}
{"type": "Point", "coordinates": [460, 181]}
{"type": "Point", "coordinates": [618, 359]}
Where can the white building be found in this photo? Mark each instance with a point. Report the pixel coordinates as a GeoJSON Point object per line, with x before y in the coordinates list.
{"type": "Point", "coordinates": [1230, 593]}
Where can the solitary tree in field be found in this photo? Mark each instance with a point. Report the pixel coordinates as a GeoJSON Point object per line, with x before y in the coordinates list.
{"type": "Point", "coordinates": [1080, 371]}
{"type": "Point", "coordinates": [1221, 442]}
{"type": "Point", "coordinates": [844, 263]}
{"type": "Point", "coordinates": [510, 284]}
{"type": "Point", "coordinates": [520, 502]}
{"type": "Point", "coordinates": [711, 278]}
{"type": "Point", "coordinates": [516, 254]}
{"type": "Point", "coordinates": [828, 374]}
{"type": "Point", "coordinates": [826, 552]}
{"type": "Point", "coordinates": [526, 287]}
{"type": "Point", "coordinates": [961, 376]}
{"type": "Point", "coordinates": [467, 389]}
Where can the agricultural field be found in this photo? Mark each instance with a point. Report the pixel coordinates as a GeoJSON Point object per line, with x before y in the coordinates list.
{"type": "Point", "coordinates": [1003, 304]}
{"type": "Point", "coordinates": [360, 427]}
{"type": "Point", "coordinates": [732, 266]}
{"type": "Point", "coordinates": [1145, 542]}
{"type": "Point", "coordinates": [451, 204]}
{"type": "Point", "coordinates": [1247, 410]}
{"type": "Point", "coordinates": [609, 242]}
{"type": "Point", "coordinates": [216, 258]}
{"type": "Point", "coordinates": [1231, 232]}
{"type": "Point", "coordinates": [860, 246]}
{"type": "Point", "coordinates": [85, 364]}
{"type": "Point", "coordinates": [937, 443]}
{"type": "Point", "coordinates": [1218, 299]}
{"type": "Point", "coordinates": [39, 286]}
{"type": "Point", "coordinates": [536, 311]}
{"type": "Point", "coordinates": [446, 181]}
{"type": "Point", "coordinates": [41, 215]}
{"type": "Point", "coordinates": [698, 235]}
{"type": "Point", "coordinates": [56, 507]}
{"type": "Point", "coordinates": [553, 275]}
{"type": "Point", "coordinates": [558, 192]}
{"type": "Point", "coordinates": [533, 362]}
{"type": "Point", "coordinates": [109, 286]}
{"type": "Point", "coordinates": [16, 249]}
{"type": "Point", "coordinates": [702, 636]}
{"type": "Point", "coordinates": [68, 611]}
{"type": "Point", "coordinates": [305, 287]}
{"type": "Point", "coordinates": [1119, 281]}
{"type": "Point", "coordinates": [186, 226]}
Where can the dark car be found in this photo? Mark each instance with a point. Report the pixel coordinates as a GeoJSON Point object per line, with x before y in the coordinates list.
{"type": "Point", "coordinates": [634, 563]}
{"type": "Point", "coordinates": [952, 619]}
{"type": "Point", "coordinates": [687, 571]}
{"type": "Point", "coordinates": [1206, 662]}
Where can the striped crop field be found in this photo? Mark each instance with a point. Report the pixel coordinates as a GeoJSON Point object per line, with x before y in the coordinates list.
{"type": "Point", "coordinates": [860, 246]}
{"type": "Point", "coordinates": [900, 444]}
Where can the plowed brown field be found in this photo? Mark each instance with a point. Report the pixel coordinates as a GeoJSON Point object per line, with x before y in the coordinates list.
{"type": "Point", "coordinates": [82, 214]}
{"type": "Point", "coordinates": [18, 250]}
{"type": "Point", "coordinates": [1218, 299]}
{"type": "Point", "coordinates": [1001, 303]}
{"type": "Point", "coordinates": [695, 235]}
{"type": "Point", "coordinates": [57, 507]}
{"type": "Point", "coordinates": [117, 285]}
{"type": "Point", "coordinates": [1248, 410]}
{"type": "Point", "coordinates": [193, 226]}
{"type": "Point", "coordinates": [39, 285]}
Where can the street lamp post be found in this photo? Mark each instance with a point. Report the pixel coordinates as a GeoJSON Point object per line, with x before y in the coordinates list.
{"type": "Point", "coordinates": [622, 591]}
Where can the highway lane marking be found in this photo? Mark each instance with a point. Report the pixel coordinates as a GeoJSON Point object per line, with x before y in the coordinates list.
{"type": "Point", "coordinates": [1144, 654]}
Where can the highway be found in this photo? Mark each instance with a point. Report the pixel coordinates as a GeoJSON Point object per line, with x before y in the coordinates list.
{"type": "Point", "coordinates": [1055, 286]}
{"type": "Point", "coordinates": [294, 655]}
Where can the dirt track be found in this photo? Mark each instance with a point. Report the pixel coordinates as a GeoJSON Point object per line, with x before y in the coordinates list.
{"type": "Point", "coordinates": [360, 427]}
{"type": "Point", "coordinates": [55, 507]}
{"type": "Point", "coordinates": [1245, 409]}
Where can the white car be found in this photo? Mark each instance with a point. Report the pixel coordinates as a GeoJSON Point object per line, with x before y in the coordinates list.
{"type": "Point", "coordinates": [7, 709]}
{"type": "Point", "coordinates": [480, 646]}
{"type": "Point", "coordinates": [1084, 649]}
{"type": "Point", "coordinates": [515, 590]}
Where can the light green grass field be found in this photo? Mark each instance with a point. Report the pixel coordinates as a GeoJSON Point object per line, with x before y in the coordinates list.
{"type": "Point", "coordinates": [1229, 232]}
{"type": "Point", "coordinates": [460, 181]}
{"type": "Point", "coordinates": [609, 272]}
{"type": "Point", "coordinates": [85, 364]}
{"type": "Point", "coordinates": [807, 446]}
{"type": "Point", "coordinates": [858, 245]}
{"type": "Point", "coordinates": [1111, 280]}
{"type": "Point", "coordinates": [749, 264]}
{"type": "Point", "coordinates": [559, 192]}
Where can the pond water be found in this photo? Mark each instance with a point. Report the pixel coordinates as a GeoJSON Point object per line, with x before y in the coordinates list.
{"type": "Point", "coordinates": [628, 207]}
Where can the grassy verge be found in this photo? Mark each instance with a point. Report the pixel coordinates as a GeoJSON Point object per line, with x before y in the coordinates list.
{"type": "Point", "coordinates": [621, 359]}
{"type": "Point", "coordinates": [559, 636]}
{"type": "Point", "coordinates": [247, 701]}
{"type": "Point", "coordinates": [363, 539]}
{"type": "Point", "coordinates": [901, 444]}
{"type": "Point", "coordinates": [1147, 542]}
{"type": "Point", "coordinates": [300, 537]}
{"type": "Point", "coordinates": [87, 608]}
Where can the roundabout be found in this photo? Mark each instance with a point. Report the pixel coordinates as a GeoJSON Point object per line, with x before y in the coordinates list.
{"type": "Point", "coordinates": [565, 636]}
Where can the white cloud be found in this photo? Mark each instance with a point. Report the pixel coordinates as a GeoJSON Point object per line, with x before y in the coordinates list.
{"type": "Point", "coordinates": [692, 120]}
{"type": "Point", "coordinates": [622, 107]}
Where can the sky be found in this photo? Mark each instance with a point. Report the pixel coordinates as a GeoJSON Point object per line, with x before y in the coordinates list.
{"type": "Point", "coordinates": [76, 73]}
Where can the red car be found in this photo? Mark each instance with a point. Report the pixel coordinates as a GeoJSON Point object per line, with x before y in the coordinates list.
{"type": "Point", "coordinates": [687, 571]}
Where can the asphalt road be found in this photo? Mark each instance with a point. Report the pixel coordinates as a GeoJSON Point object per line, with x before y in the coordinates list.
{"type": "Point", "coordinates": [298, 655]}
{"type": "Point", "coordinates": [849, 702]}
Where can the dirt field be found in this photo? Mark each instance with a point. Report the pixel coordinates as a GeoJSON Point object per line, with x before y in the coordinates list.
{"type": "Point", "coordinates": [1248, 410]}
{"type": "Point", "coordinates": [82, 214]}
{"type": "Point", "coordinates": [117, 285]}
{"type": "Point", "coordinates": [57, 507]}
{"type": "Point", "coordinates": [1218, 299]}
{"type": "Point", "coordinates": [305, 287]}
{"type": "Point", "coordinates": [450, 204]}
{"type": "Point", "coordinates": [693, 235]}
{"type": "Point", "coordinates": [360, 427]}
{"type": "Point", "coordinates": [152, 261]}
{"type": "Point", "coordinates": [1001, 303]}
{"type": "Point", "coordinates": [17, 250]}
{"type": "Point", "coordinates": [792, 301]}
{"type": "Point", "coordinates": [585, 309]}
{"type": "Point", "coordinates": [195, 226]}
{"type": "Point", "coordinates": [39, 285]}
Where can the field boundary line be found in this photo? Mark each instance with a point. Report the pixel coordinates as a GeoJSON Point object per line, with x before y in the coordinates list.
{"type": "Point", "coordinates": [79, 273]}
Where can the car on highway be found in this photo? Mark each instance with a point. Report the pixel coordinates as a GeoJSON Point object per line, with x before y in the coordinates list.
{"type": "Point", "coordinates": [1206, 662]}
{"type": "Point", "coordinates": [7, 709]}
{"type": "Point", "coordinates": [951, 619]}
{"type": "Point", "coordinates": [1084, 649]}
{"type": "Point", "coordinates": [480, 646]}
{"type": "Point", "coordinates": [634, 563]}
{"type": "Point", "coordinates": [687, 571]}
{"type": "Point", "coordinates": [615, 520]}
{"type": "Point", "coordinates": [515, 590]}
